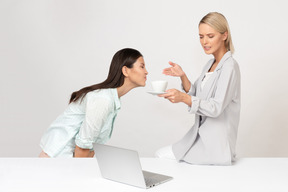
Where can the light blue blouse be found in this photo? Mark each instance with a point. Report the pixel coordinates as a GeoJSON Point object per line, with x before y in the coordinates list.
{"type": "Point", "coordinates": [82, 124]}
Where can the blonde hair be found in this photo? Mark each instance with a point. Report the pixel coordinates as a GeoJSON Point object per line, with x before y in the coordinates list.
{"type": "Point", "coordinates": [218, 22]}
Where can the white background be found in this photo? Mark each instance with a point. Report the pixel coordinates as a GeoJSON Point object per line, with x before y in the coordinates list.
{"type": "Point", "coordinates": [48, 49]}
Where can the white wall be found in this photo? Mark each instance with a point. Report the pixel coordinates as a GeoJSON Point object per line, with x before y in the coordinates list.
{"type": "Point", "coordinates": [48, 49]}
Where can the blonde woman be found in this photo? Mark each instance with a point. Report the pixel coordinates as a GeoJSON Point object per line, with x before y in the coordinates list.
{"type": "Point", "coordinates": [214, 98]}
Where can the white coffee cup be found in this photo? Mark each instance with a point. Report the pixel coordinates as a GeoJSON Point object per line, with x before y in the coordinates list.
{"type": "Point", "coordinates": [159, 86]}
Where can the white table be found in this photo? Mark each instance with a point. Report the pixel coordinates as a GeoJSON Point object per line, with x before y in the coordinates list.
{"type": "Point", "coordinates": [248, 174]}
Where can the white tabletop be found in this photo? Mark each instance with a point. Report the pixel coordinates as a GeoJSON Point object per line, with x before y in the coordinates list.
{"type": "Point", "coordinates": [248, 174]}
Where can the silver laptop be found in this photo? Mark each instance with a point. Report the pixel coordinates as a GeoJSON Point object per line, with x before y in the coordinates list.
{"type": "Point", "coordinates": [123, 165]}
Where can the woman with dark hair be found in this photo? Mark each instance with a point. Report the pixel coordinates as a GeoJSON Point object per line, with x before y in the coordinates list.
{"type": "Point", "coordinates": [91, 112]}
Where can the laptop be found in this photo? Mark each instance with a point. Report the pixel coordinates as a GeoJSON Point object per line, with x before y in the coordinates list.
{"type": "Point", "coordinates": [123, 165]}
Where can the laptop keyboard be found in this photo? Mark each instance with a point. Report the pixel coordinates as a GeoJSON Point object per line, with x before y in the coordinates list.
{"type": "Point", "coordinates": [151, 181]}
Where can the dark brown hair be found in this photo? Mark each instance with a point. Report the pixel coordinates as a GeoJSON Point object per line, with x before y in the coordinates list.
{"type": "Point", "coordinates": [124, 57]}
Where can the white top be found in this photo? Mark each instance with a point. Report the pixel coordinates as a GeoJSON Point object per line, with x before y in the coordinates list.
{"type": "Point", "coordinates": [206, 78]}
{"type": "Point", "coordinates": [82, 124]}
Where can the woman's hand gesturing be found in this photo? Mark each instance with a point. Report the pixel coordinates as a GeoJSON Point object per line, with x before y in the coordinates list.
{"type": "Point", "coordinates": [175, 70]}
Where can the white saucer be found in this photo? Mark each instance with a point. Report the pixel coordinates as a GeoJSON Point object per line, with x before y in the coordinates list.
{"type": "Point", "coordinates": [155, 93]}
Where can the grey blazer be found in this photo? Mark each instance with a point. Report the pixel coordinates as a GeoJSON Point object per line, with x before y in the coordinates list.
{"type": "Point", "coordinates": [212, 139]}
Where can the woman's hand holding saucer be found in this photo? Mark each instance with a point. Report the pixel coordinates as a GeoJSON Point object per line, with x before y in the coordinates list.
{"type": "Point", "coordinates": [176, 96]}
{"type": "Point", "coordinates": [173, 95]}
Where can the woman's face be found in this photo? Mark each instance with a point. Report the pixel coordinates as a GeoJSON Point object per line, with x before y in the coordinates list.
{"type": "Point", "coordinates": [211, 40]}
{"type": "Point", "coordinates": [137, 74]}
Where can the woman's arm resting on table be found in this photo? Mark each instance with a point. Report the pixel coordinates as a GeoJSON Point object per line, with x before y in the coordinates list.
{"type": "Point", "coordinates": [79, 152]}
